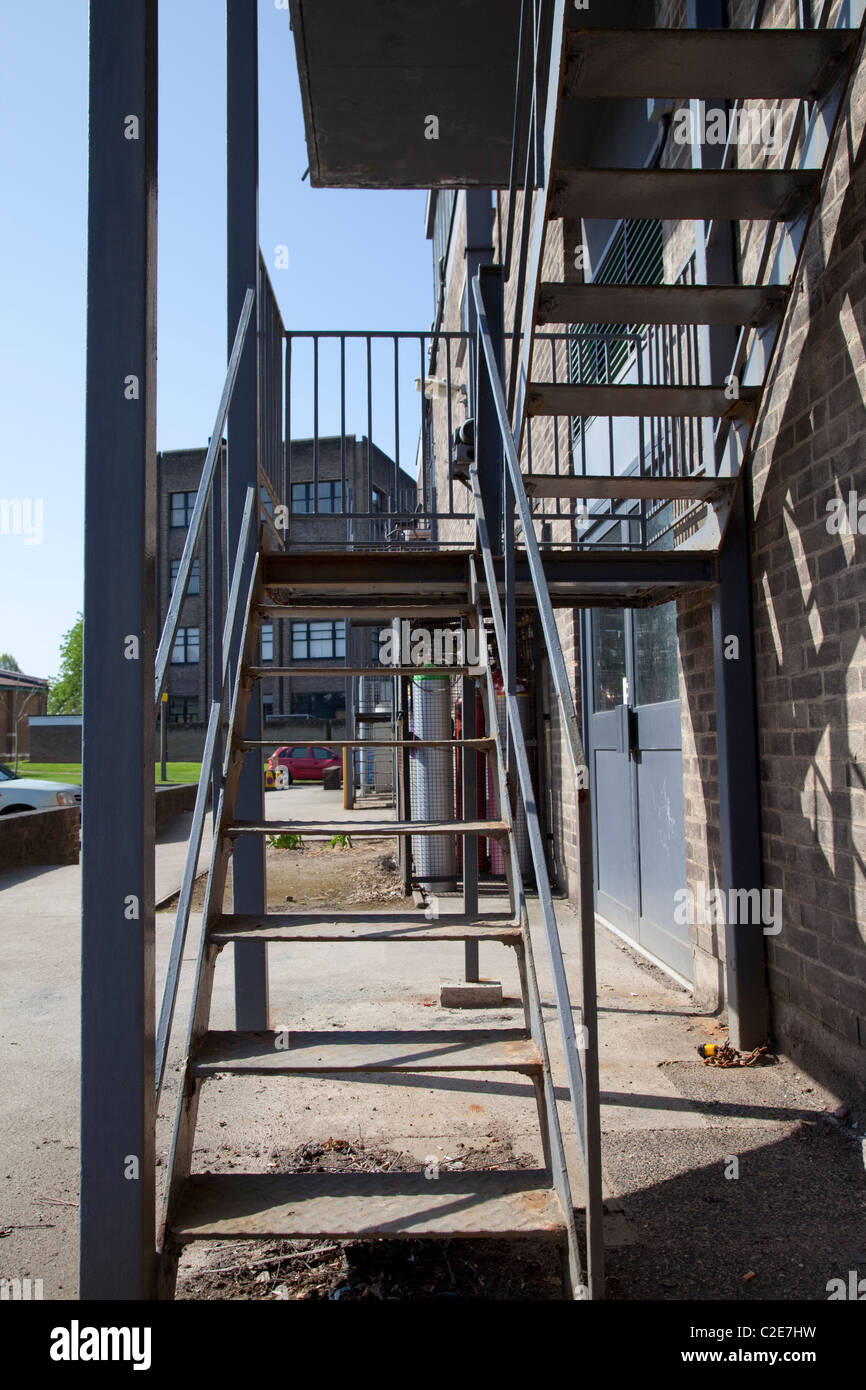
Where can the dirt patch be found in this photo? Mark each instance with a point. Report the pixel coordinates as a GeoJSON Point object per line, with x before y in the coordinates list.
{"type": "Point", "coordinates": [317, 875]}
{"type": "Point", "coordinates": [389, 1270]}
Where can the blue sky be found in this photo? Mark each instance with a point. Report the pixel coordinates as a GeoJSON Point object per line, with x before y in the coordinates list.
{"type": "Point", "coordinates": [356, 260]}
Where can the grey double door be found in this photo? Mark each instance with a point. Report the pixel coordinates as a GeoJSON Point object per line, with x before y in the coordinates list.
{"type": "Point", "coordinates": [635, 755]}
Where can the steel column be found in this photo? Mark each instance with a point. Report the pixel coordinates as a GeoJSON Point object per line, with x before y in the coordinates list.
{"type": "Point", "coordinates": [469, 793]}
{"type": "Point", "coordinates": [248, 859]}
{"type": "Point", "coordinates": [488, 439]}
{"type": "Point", "coordinates": [117, 1240]}
{"type": "Point", "coordinates": [739, 783]}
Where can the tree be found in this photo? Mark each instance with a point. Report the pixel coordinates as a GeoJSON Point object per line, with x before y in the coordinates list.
{"type": "Point", "coordinates": [8, 663]}
{"type": "Point", "coordinates": [64, 697]}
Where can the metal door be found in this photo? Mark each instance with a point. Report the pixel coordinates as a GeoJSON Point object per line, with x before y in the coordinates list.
{"type": "Point", "coordinates": [635, 753]}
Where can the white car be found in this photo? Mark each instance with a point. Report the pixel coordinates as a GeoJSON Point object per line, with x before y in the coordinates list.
{"type": "Point", "coordinates": [32, 793]}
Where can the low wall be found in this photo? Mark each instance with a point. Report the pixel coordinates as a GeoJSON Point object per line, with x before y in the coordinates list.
{"type": "Point", "coordinates": [31, 838]}
{"type": "Point", "coordinates": [42, 838]}
{"type": "Point", "coordinates": [174, 801]}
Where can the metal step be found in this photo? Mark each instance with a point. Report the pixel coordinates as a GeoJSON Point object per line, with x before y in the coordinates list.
{"type": "Point", "coordinates": [733, 63]}
{"type": "Point", "coordinates": [727, 194]}
{"type": "Point", "coordinates": [549, 398]}
{"type": "Point", "coordinates": [483, 745]}
{"type": "Point", "coordinates": [359, 1206]}
{"type": "Point", "coordinates": [626, 486]}
{"type": "Point", "coordinates": [377, 672]}
{"type": "Point", "coordinates": [363, 926]}
{"type": "Point", "coordinates": [675, 304]}
{"type": "Point", "coordinates": [316, 830]}
{"type": "Point", "coordinates": [275, 1053]}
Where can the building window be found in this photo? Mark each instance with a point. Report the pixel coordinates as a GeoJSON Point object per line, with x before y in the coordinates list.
{"type": "Point", "coordinates": [378, 500]}
{"type": "Point", "coordinates": [325, 704]}
{"type": "Point", "coordinates": [330, 497]}
{"type": "Point", "coordinates": [186, 646]}
{"type": "Point", "coordinates": [267, 642]}
{"type": "Point", "coordinates": [318, 641]}
{"type": "Point", "coordinates": [193, 577]}
{"type": "Point", "coordinates": [268, 706]}
{"type": "Point", "coordinates": [182, 504]}
{"type": "Point", "coordinates": [183, 709]}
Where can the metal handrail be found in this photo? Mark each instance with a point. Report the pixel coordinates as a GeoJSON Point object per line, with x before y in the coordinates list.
{"type": "Point", "coordinates": [583, 1082]}
{"type": "Point", "coordinates": [193, 535]}
{"type": "Point", "coordinates": [209, 758]}
{"type": "Point", "coordinates": [533, 553]}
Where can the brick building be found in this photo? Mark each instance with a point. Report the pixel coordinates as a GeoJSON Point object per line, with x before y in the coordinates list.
{"type": "Point", "coordinates": [20, 698]}
{"type": "Point", "coordinates": [650, 671]}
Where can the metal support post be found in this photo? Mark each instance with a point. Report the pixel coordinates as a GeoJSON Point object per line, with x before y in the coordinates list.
{"type": "Point", "coordinates": [468, 765]}
{"type": "Point", "coordinates": [488, 439]}
{"type": "Point", "coordinates": [739, 782]}
{"type": "Point", "coordinates": [248, 857]}
{"type": "Point", "coordinates": [117, 1214]}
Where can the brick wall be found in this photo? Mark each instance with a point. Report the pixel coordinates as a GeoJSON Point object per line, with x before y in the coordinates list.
{"type": "Point", "coordinates": [810, 652]}
{"type": "Point", "coordinates": [810, 606]}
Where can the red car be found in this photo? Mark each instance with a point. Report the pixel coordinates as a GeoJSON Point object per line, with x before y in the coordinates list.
{"type": "Point", "coordinates": [300, 762]}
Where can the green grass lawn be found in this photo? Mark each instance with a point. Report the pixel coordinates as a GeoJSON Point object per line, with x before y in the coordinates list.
{"type": "Point", "coordinates": [71, 772]}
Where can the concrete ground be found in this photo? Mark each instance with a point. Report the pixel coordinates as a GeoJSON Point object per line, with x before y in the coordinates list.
{"type": "Point", "coordinates": [679, 1223]}
{"type": "Point", "coordinates": [40, 951]}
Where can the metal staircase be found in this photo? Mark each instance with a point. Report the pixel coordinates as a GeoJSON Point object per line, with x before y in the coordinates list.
{"type": "Point", "coordinates": [562, 65]}
{"type": "Point", "coordinates": [522, 1203]}
{"type": "Point", "coordinates": [810, 66]}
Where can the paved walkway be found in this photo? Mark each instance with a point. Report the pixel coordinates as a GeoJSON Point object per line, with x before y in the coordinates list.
{"type": "Point", "coordinates": [678, 1224]}
{"type": "Point", "coordinates": [40, 951]}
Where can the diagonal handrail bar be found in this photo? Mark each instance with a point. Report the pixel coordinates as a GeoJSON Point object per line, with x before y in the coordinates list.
{"type": "Point", "coordinates": [533, 553]}
{"type": "Point", "coordinates": [193, 535]}
{"type": "Point", "coordinates": [181, 923]}
{"type": "Point", "coordinates": [583, 1083]}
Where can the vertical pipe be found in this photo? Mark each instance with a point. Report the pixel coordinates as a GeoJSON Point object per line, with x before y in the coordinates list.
{"type": "Point", "coordinates": [117, 1201]}
{"type": "Point", "coordinates": [367, 500]}
{"type": "Point", "coordinates": [395, 506]}
{"type": "Point", "coordinates": [469, 770]}
{"type": "Point", "coordinates": [315, 424]}
{"type": "Point", "coordinates": [343, 499]}
{"type": "Point", "coordinates": [248, 855]}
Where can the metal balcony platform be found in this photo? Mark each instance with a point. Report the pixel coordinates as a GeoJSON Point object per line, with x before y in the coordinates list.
{"type": "Point", "coordinates": [706, 194]}
{"type": "Point", "coordinates": [358, 1206]}
{"type": "Point", "coordinates": [575, 577]}
{"type": "Point", "coordinates": [682, 63]}
{"type": "Point", "coordinates": [660, 304]}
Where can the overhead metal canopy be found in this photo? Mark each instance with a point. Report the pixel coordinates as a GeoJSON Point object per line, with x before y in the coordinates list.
{"type": "Point", "coordinates": [373, 71]}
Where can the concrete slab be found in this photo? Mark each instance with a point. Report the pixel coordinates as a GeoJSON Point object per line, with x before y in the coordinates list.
{"type": "Point", "coordinates": [667, 1120]}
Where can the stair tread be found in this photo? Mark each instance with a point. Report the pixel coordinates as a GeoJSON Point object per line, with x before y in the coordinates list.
{"type": "Point", "coordinates": [377, 672]}
{"type": "Point", "coordinates": [728, 194]}
{"type": "Point", "coordinates": [659, 304]}
{"type": "Point", "coordinates": [627, 486]}
{"type": "Point", "coordinates": [275, 1052]}
{"type": "Point", "coordinates": [562, 398]}
{"type": "Point", "coordinates": [361, 926]}
{"type": "Point", "coordinates": [216, 1206]}
{"type": "Point", "coordinates": [375, 829]}
{"type": "Point", "coordinates": [732, 63]}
